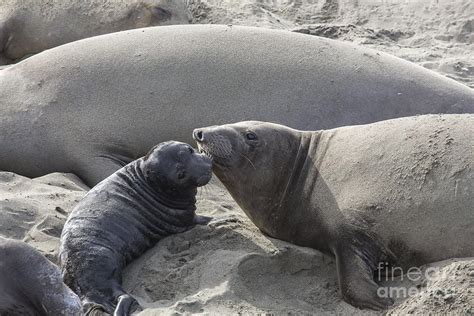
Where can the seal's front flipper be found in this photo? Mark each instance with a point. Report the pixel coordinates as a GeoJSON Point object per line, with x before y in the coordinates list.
{"type": "Point", "coordinates": [5, 26]}
{"type": "Point", "coordinates": [95, 169]}
{"type": "Point", "coordinates": [126, 305]}
{"type": "Point", "coordinates": [4, 62]}
{"type": "Point", "coordinates": [356, 283]}
{"type": "Point", "coordinates": [202, 220]}
{"type": "Point", "coordinates": [3, 41]}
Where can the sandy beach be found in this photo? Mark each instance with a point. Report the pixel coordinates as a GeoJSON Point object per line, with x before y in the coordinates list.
{"type": "Point", "coordinates": [436, 34]}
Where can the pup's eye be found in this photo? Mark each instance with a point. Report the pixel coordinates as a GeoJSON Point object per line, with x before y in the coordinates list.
{"type": "Point", "coordinates": [251, 136]}
{"type": "Point", "coordinates": [181, 174]}
{"type": "Point", "coordinates": [191, 150]}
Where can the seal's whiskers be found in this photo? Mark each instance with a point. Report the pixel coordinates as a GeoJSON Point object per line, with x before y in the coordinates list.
{"type": "Point", "coordinates": [246, 158]}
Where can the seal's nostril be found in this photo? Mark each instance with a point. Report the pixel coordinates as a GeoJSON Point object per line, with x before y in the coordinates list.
{"type": "Point", "coordinates": [198, 135]}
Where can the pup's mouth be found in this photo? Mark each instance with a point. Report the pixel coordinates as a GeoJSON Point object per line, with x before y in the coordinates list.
{"type": "Point", "coordinates": [204, 179]}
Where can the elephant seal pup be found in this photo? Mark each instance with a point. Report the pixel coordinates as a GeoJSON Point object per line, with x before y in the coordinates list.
{"type": "Point", "coordinates": [32, 285]}
{"type": "Point", "coordinates": [398, 191]}
{"type": "Point", "coordinates": [127, 214]}
{"type": "Point", "coordinates": [157, 86]}
{"type": "Point", "coordinates": [31, 26]}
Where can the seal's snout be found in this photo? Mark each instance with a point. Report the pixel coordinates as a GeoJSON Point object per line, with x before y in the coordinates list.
{"type": "Point", "coordinates": [198, 135]}
{"type": "Point", "coordinates": [213, 142]}
{"type": "Point", "coordinates": [204, 179]}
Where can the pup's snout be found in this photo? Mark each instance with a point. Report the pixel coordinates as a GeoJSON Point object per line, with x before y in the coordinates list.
{"type": "Point", "coordinates": [198, 135]}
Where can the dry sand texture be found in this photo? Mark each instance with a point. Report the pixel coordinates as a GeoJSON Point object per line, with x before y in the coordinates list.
{"type": "Point", "coordinates": [35, 210]}
{"type": "Point", "coordinates": [437, 34]}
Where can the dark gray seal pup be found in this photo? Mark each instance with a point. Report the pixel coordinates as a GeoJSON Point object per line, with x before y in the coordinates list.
{"type": "Point", "coordinates": [157, 86]}
{"type": "Point", "coordinates": [398, 191]}
{"type": "Point", "coordinates": [125, 215]}
{"type": "Point", "coordinates": [31, 285]}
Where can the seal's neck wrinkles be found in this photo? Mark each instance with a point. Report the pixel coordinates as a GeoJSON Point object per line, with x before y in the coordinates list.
{"type": "Point", "coordinates": [176, 199]}
{"type": "Point", "coordinates": [260, 189]}
{"type": "Point", "coordinates": [299, 161]}
{"type": "Point", "coordinates": [304, 190]}
{"type": "Point", "coordinates": [303, 162]}
{"type": "Point", "coordinates": [295, 194]}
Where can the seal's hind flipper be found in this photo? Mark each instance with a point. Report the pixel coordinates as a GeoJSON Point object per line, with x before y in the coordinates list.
{"type": "Point", "coordinates": [93, 309]}
{"type": "Point", "coordinates": [108, 299]}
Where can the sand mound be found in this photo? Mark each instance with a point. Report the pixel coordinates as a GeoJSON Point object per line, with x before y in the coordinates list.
{"type": "Point", "coordinates": [230, 267]}
{"type": "Point", "coordinates": [447, 290]}
{"type": "Point", "coordinates": [227, 267]}
{"type": "Point", "coordinates": [437, 34]}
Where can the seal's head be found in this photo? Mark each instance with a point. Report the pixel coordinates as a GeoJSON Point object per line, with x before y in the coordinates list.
{"type": "Point", "coordinates": [254, 161]}
{"type": "Point", "coordinates": [176, 165]}
{"type": "Point", "coordinates": [145, 13]}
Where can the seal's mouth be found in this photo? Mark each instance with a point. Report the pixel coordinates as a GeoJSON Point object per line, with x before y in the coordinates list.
{"type": "Point", "coordinates": [204, 179]}
{"type": "Point", "coordinates": [215, 146]}
{"type": "Point", "coordinates": [208, 152]}
{"type": "Point", "coordinates": [205, 151]}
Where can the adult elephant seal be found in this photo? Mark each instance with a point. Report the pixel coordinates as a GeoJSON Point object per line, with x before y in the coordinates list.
{"type": "Point", "coordinates": [31, 285]}
{"type": "Point", "coordinates": [97, 104]}
{"type": "Point", "coordinates": [31, 26]}
{"type": "Point", "coordinates": [125, 215]}
{"type": "Point", "coordinates": [399, 191]}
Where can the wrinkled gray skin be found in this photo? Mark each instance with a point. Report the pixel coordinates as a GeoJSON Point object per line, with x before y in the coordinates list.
{"type": "Point", "coordinates": [398, 191]}
{"type": "Point", "coordinates": [125, 215]}
{"type": "Point", "coordinates": [31, 285]}
{"type": "Point", "coordinates": [31, 26]}
{"type": "Point", "coordinates": [92, 106]}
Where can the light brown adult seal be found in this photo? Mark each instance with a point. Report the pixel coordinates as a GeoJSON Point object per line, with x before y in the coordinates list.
{"type": "Point", "coordinates": [31, 26]}
{"type": "Point", "coordinates": [398, 191]}
{"type": "Point", "coordinates": [156, 86]}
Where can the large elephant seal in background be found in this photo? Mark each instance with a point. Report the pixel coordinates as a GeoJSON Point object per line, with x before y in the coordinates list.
{"type": "Point", "coordinates": [91, 106]}
{"type": "Point", "coordinates": [31, 26]}
{"type": "Point", "coordinates": [125, 215]}
{"type": "Point", "coordinates": [400, 191]}
{"type": "Point", "coordinates": [31, 285]}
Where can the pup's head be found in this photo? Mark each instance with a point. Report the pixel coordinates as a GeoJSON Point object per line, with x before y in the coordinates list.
{"type": "Point", "coordinates": [176, 166]}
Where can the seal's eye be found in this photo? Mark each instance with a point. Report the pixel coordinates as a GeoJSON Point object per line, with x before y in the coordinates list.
{"type": "Point", "coordinates": [191, 150]}
{"type": "Point", "coordinates": [181, 175]}
{"type": "Point", "coordinates": [251, 136]}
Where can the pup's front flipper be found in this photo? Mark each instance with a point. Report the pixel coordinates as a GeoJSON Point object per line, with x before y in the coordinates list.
{"type": "Point", "coordinates": [126, 305]}
{"type": "Point", "coordinates": [202, 220]}
{"type": "Point", "coordinates": [356, 281]}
